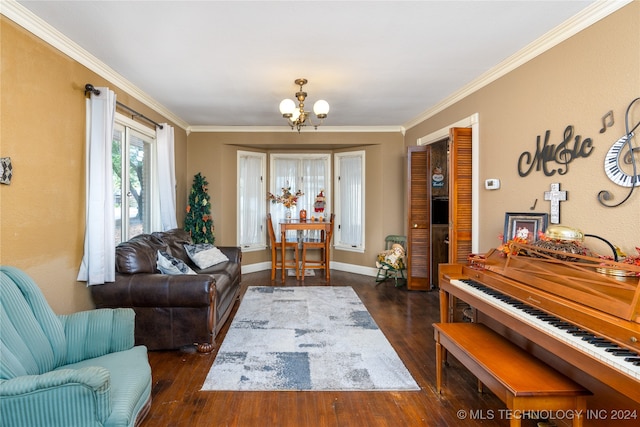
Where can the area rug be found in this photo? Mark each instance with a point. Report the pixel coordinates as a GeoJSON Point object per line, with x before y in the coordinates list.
{"type": "Point", "coordinates": [305, 338]}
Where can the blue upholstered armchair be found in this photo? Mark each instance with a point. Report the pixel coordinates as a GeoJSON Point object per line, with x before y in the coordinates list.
{"type": "Point", "coordinates": [73, 370]}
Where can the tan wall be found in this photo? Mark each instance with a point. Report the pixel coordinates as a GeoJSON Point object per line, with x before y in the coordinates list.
{"type": "Point", "coordinates": [43, 131]}
{"type": "Point", "coordinates": [575, 83]}
{"type": "Point", "coordinates": [214, 155]}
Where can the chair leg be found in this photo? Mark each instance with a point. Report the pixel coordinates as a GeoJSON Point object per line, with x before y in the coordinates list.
{"type": "Point", "coordinates": [304, 260]}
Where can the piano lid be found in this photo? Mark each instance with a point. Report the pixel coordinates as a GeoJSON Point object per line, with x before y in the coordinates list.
{"type": "Point", "coordinates": [608, 286]}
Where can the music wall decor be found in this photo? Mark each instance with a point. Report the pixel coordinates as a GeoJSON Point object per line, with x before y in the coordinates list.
{"type": "Point", "coordinates": [620, 164]}
{"type": "Point", "coordinates": [548, 156]}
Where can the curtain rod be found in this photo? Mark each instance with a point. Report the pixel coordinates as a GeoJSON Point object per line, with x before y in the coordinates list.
{"type": "Point", "coordinates": [90, 88]}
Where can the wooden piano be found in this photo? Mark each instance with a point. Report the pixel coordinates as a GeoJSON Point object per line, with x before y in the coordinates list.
{"type": "Point", "coordinates": [579, 316]}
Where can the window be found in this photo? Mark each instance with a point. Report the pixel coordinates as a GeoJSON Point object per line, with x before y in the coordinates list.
{"type": "Point", "coordinates": [252, 198]}
{"type": "Point", "coordinates": [349, 208]}
{"type": "Point", "coordinates": [310, 173]}
{"type": "Point", "coordinates": [133, 186]}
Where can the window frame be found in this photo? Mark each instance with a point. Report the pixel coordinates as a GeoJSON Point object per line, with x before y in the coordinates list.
{"type": "Point", "coordinates": [128, 125]}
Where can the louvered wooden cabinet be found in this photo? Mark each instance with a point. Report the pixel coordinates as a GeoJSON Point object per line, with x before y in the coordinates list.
{"type": "Point", "coordinates": [460, 180]}
{"type": "Point", "coordinates": [419, 209]}
{"type": "Point", "coordinates": [421, 233]}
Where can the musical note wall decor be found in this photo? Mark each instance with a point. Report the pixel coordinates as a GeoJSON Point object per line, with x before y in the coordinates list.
{"type": "Point", "coordinates": [607, 124]}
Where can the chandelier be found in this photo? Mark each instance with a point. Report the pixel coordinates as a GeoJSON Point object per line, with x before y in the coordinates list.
{"type": "Point", "coordinates": [297, 117]}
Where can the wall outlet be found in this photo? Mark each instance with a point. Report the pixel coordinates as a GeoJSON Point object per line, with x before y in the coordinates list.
{"type": "Point", "coordinates": [492, 184]}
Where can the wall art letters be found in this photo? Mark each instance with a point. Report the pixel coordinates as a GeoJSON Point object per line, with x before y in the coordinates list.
{"type": "Point", "coordinates": [548, 156]}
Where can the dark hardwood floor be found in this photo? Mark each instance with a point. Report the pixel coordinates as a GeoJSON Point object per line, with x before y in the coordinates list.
{"type": "Point", "coordinates": [404, 316]}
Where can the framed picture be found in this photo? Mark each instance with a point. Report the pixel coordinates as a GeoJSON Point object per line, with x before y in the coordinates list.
{"type": "Point", "coordinates": [533, 222]}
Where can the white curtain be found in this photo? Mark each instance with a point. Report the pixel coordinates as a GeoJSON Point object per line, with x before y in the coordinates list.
{"type": "Point", "coordinates": [351, 200]}
{"type": "Point", "coordinates": [310, 175]}
{"type": "Point", "coordinates": [251, 200]}
{"type": "Point", "coordinates": [98, 263]}
{"type": "Point", "coordinates": [166, 178]}
{"type": "Point", "coordinates": [285, 174]}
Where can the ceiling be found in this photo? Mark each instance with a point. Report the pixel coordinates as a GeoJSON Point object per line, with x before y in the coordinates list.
{"type": "Point", "coordinates": [230, 63]}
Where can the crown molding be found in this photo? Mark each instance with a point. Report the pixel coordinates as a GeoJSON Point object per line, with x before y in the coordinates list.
{"type": "Point", "coordinates": [283, 129]}
{"type": "Point", "coordinates": [41, 29]}
{"type": "Point", "coordinates": [587, 17]}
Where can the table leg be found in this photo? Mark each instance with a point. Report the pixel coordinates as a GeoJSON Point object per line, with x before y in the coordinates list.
{"type": "Point", "coordinates": [439, 352]}
{"type": "Point", "coordinates": [327, 257]}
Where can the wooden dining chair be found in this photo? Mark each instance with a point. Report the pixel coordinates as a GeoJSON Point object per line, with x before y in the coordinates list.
{"type": "Point", "coordinates": [276, 251]}
{"type": "Point", "coordinates": [319, 244]}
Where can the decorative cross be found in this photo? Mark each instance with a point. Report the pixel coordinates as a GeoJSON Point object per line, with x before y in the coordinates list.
{"type": "Point", "coordinates": [555, 196]}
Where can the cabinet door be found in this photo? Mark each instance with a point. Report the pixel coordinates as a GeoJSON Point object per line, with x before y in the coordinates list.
{"type": "Point", "coordinates": [419, 218]}
{"type": "Point", "coordinates": [459, 195]}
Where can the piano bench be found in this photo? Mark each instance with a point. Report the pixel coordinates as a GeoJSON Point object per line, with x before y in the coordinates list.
{"type": "Point", "coordinates": [520, 380]}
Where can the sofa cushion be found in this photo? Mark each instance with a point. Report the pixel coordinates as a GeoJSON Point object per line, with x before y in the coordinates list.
{"type": "Point", "coordinates": [168, 264]}
{"type": "Point", "coordinates": [175, 240]}
{"type": "Point", "coordinates": [139, 255]}
{"type": "Point", "coordinates": [205, 255]}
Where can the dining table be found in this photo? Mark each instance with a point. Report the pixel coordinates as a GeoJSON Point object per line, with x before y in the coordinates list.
{"type": "Point", "coordinates": [308, 225]}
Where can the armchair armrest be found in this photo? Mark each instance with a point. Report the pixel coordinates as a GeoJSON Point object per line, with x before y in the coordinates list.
{"type": "Point", "coordinates": [95, 333]}
{"type": "Point", "coordinates": [26, 399]}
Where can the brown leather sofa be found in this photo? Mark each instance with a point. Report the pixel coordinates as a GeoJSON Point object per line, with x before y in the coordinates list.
{"type": "Point", "coordinates": [172, 311]}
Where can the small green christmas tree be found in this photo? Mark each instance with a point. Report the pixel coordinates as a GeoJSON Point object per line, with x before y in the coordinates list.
{"type": "Point", "coordinates": [198, 221]}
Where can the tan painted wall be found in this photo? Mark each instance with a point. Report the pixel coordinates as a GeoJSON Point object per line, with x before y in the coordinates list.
{"type": "Point", "coordinates": [42, 121]}
{"type": "Point", "coordinates": [575, 83]}
{"type": "Point", "coordinates": [214, 155]}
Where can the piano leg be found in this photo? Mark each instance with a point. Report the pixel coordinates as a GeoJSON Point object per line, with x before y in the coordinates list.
{"type": "Point", "coordinates": [439, 360]}
{"type": "Point", "coordinates": [445, 308]}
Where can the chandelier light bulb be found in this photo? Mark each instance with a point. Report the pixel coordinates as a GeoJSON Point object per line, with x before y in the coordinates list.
{"type": "Point", "coordinates": [295, 114]}
{"type": "Point", "coordinates": [287, 106]}
{"type": "Point", "coordinates": [321, 108]}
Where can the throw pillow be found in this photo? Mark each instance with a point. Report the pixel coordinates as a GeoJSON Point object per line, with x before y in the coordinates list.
{"type": "Point", "coordinates": [171, 265]}
{"type": "Point", "coordinates": [205, 255]}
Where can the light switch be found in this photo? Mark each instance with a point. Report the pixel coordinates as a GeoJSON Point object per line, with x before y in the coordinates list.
{"type": "Point", "coordinates": [492, 184]}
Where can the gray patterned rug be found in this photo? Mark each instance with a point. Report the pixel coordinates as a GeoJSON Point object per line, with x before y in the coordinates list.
{"type": "Point", "coordinates": [305, 338]}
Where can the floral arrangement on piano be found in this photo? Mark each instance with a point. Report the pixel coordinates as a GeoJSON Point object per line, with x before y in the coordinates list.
{"type": "Point", "coordinates": [510, 247]}
{"type": "Point", "coordinates": [287, 198]}
{"type": "Point", "coordinates": [554, 243]}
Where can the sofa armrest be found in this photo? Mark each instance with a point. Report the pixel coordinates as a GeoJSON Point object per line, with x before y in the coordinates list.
{"type": "Point", "coordinates": [95, 333]}
{"type": "Point", "coordinates": [155, 290]}
{"type": "Point", "coordinates": [29, 398]}
{"type": "Point", "coordinates": [232, 252]}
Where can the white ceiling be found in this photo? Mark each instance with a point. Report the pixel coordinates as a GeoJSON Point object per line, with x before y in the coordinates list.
{"type": "Point", "coordinates": [230, 63]}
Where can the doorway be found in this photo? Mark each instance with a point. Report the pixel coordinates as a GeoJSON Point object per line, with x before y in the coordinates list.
{"type": "Point", "coordinates": [439, 236]}
{"type": "Point", "coordinates": [433, 239]}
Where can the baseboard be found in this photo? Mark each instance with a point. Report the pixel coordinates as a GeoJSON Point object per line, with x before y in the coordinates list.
{"type": "Point", "coordinates": [340, 266]}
